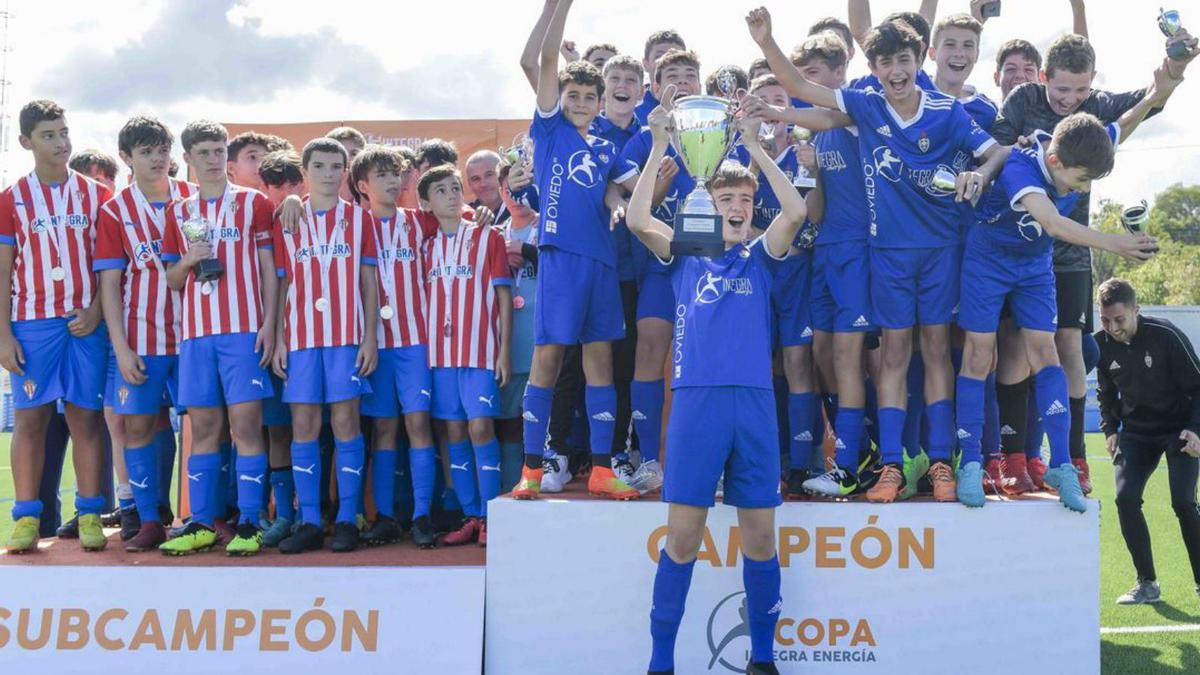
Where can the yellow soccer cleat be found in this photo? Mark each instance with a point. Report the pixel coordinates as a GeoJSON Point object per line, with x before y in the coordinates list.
{"type": "Point", "coordinates": [91, 532]}
{"type": "Point", "coordinates": [24, 537]}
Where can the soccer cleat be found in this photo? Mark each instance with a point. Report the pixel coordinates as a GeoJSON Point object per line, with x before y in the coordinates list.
{"type": "Point", "coordinates": [483, 532]}
{"type": "Point", "coordinates": [468, 533]}
{"type": "Point", "coordinates": [131, 523]}
{"type": "Point", "coordinates": [1017, 474]}
{"type": "Point", "coordinates": [941, 477]}
{"type": "Point", "coordinates": [225, 531]}
{"type": "Point", "coordinates": [112, 518]}
{"type": "Point", "coordinates": [24, 537]}
{"type": "Point", "coordinates": [385, 530]}
{"type": "Point", "coordinates": [165, 515]}
{"type": "Point", "coordinates": [969, 487]}
{"type": "Point", "coordinates": [889, 487]}
{"type": "Point", "coordinates": [1065, 480]}
{"type": "Point", "coordinates": [993, 475]}
{"type": "Point", "coordinates": [280, 529]}
{"type": "Point", "coordinates": [248, 541]}
{"type": "Point", "coordinates": [1037, 472]}
{"type": "Point", "coordinates": [529, 485]}
{"type": "Point", "coordinates": [622, 468]}
{"type": "Point", "coordinates": [345, 537]}
{"type": "Point", "coordinates": [69, 529]}
{"type": "Point", "coordinates": [422, 533]}
{"type": "Point", "coordinates": [837, 482]}
{"type": "Point", "coordinates": [1144, 593]}
{"type": "Point", "coordinates": [761, 668]}
{"type": "Point", "coordinates": [556, 473]}
{"type": "Point", "coordinates": [1085, 475]}
{"type": "Point", "coordinates": [868, 469]}
{"type": "Point", "coordinates": [194, 539]}
{"type": "Point", "coordinates": [149, 537]}
{"type": "Point", "coordinates": [648, 477]}
{"type": "Point", "coordinates": [307, 537]}
{"type": "Point", "coordinates": [604, 483]}
{"type": "Point", "coordinates": [915, 468]}
{"type": "Point", "coordinates": [795, 485]}
{"type": "Point", "coordinates": [91, 533]}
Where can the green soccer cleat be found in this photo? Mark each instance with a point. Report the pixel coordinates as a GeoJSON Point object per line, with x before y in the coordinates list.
{"type": "Point", "coordinates": [914, 469]}
{"type": "Point", "coordinates": [91, 533]}
{"type": "Point", "coordinates": [24, 537]}
{"type": "Point", "coordinates": [248, 542]}
{"type": "Point", "coordinates": [194, 539]}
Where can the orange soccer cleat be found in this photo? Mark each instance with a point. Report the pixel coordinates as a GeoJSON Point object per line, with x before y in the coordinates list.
{"type": "Point", "coordinates": [941, 476]}
{"type": "Point", "coordinates": [604, 483]}
{"type": "Point", "coordinates": [530, 484]}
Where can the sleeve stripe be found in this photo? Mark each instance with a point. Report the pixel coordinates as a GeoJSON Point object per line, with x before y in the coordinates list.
{"type": "Point", "coordinates": [984, 148]}
{"type": "Point", "coordinates": [841, 101]}
{"type": "Point", "coordinates": [1015, 202]}
{"type": "Point", "coordinates": [1182, 343]}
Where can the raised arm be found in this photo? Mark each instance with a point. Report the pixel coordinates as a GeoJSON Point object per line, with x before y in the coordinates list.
{"type": "Point", "coordinates": [1079, 16]}
{"type": "Point", "coordinates": [547, 84]}
{"type": "Point", "coordinates": [533, 46]}
{"type": "Point", "coordinates": [652, 232]}
{"type": "Point", "coordinates": [928, 11]}
{"type": "Point", "coordinates": [782, 230]}
{"type": "Point", "coordinates": [813, 119]}
{"type": "Point", "coordinates": [859, 14]}
{"type": "Point", "coordinates": [759, 23]}
{"type": "Point", "coordinates": [1134, 248]}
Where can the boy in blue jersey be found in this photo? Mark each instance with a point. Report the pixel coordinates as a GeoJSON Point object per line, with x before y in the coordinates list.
{"type": "Point", "coordinates": [723, 412]}
{"type": "Point", "coordinates": [907, 136]}
{"type": "Point", "coordinates": [1009, 256]}
{"type": "Point", "coordinates": [657, 45]}
{"type": "Point", "coordinates": [955, 50]}
{"type": "Point", "coordinates": [918, 22]}
{"type": "Point", "coordinates": [578, 290]}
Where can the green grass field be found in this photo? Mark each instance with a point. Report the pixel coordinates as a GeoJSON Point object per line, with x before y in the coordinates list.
{"type": "Point", "coordinates": [1150, 653]}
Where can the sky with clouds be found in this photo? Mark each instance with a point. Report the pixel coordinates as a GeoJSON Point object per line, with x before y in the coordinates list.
{"type": "Point", "coordinates": [298, 60]}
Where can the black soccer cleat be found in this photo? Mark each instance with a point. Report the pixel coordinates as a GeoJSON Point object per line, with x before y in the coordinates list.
{"type": "Point", "coordinates": [422, 533]}
{"type": "Point", "coordinates": [345, 537]}
{"type": "Point", "coordinates": [795, 484]}
{"type": "Point", "coordinates": [307, 537]}
{"type": "Point", "coordinates": [69, 529]}
{"type": "Point", "coordinates": [385, 530]}
{"type": "Point", "coordinates": [131, 522]}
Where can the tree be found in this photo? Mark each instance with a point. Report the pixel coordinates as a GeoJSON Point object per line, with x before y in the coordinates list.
{"type": "Point", "coordinates": [1173, 276]}
{"type": "Point", "coordinates": [1176, 214]}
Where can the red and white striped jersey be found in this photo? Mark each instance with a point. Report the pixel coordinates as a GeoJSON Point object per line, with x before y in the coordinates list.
{"type": "Point", "coordinates": [240, 225]}
{"type": "Point", "coordinates": [401, 276]}
{"type": "Point", "coordinates": [53, 229]}
{"type": "Point", "coordinates": [130, 238]}
{"type": "Point", "coordinates": [464, 315]}
{"type": "Point", "coordinates": [341, 240]}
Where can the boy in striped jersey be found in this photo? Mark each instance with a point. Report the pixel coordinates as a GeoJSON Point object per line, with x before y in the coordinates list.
{"type": "Point", "coordinates": [49, 317]}
{"type": "Point", "coordinates": [470, 328]}
{"type": "Point", "coordinates": [142, 315]}
{"type": "Point", "coordinates": [327, 264]}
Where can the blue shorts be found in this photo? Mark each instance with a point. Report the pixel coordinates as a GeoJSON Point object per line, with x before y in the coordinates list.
{"type": "Point", "coordinates": [465, 393]}
{"type": "Point", "coordinates": [323, 375]}
{"type": "Point", "coordinates": [715, 430]}
{"type": "Point", "coordinates": [276, 413]}
{"type": "Point", "coordinates": [991, 275]}
{"type": "Point", "coordinates": [914, 286]}
{"type": "Point", "coordinates": [656, 296]}
{"type": "Point", "coordinates": [789, 302]}
{"type": "Point", "coordinates": [159, 391]}
{"type": "Point", "coordinates": [221, 370]}
{"type": "Point", "coordinates": [579, 300]}
{"type": "Point", "coordinates": [401, 383]}
{"type": "Point", "coordinates": [59, 365]}
{"type": "Point", "coordinates": [512, 396]}
{"type": "Point", "coordinates": [841, 288]}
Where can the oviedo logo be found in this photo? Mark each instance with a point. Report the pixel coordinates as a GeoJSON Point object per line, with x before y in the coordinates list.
{"type": "Point", "coordinates": [807, 640]}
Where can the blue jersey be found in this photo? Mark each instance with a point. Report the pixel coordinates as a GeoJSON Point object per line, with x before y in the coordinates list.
{"type": "Point", "coordinates": [1002, 219]}
{"type": "Point", "coordinates": [899, 160]}
{"type": "Point", "coordinates": [766, 203]}
{"type": "Point", "coordinates": [572, 175]}
{"type": "Point", "coordinates": [642, 111]}
{"type": "Point", "coordinates": [846, 216]}
{"type": "Point", "coordinates": [871, 83]}
{"type": "Point", "coordinates": [981, 109]}
{"type": "Point", "coordinates": [524, 286]}
{"type": "Point", "coordinates": [606, 129]}
{"type": "Point", "coordinates": [722, 321]}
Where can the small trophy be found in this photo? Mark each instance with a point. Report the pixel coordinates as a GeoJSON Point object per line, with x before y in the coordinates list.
{"type": "Point", "coordinates": [209, 270]}
{"type": "Point", "coordinates": [703, 134]}
{"type": "Point", "coordinates": [521, 151]}
{"type": "Point", "coordinates": [945, 180]}
{"type": "Point", "coordinates": [802, 180]}
{"type": "Point", "coordinates": [1134, 217]}
{"type": "Point", "coordinates": [1170, 23]}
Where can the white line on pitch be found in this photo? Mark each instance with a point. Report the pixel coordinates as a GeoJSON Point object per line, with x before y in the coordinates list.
{"type": "Point", "coordinates": [1176, 628]}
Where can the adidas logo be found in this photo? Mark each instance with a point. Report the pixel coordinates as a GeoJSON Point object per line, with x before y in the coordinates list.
{"type": "Point", "coordinates": [802, 436]}
{"type": "Point", "coordinates": [1115, 366]}
{"type": "Point", "coordinates": [530, 417]}
{"type": "Point", "coordinates": [963, 435]}
{"type": "Point", "coordinates": [1007, 431]}
{"type": "Point", "coordinates": [861, 321]}
{"type": "Point", "coordinates": [885, 130]}
{"type": "Point", "coordinates": [807, 332]}
{"type": "Point", "coordinates": [1055, 408]}
{"type": "Point", "coordinates": [604, 417]}
{"type": "Point", "coordinates": [638, 415]}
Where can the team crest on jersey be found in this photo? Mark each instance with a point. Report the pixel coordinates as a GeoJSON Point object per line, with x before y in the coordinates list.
{"type": "Point", "coordinates": [233, 208]}
{"type": "Point", "coordinates": [143, 252]}
{"type": "Point", "coordinates": [923, 142]}
{"type": "Point", "coordinates": [30, 388]}
{"type": "Point", "coordinates": [1149, 361]}
{"type": "Point", "coordinates": [79, 196]}
{"type": "Point", "coordinates": [604, 158]}
{"type": "Point", "coordinates": [123, 394]}
{"type": "Point", "coordinates": [343, 223]}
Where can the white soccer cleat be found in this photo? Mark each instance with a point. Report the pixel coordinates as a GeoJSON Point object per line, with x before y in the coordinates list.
{"type": "Point", "coordinates": [555, 473]}
{"type": "Point", "coordinates": [648, 477]}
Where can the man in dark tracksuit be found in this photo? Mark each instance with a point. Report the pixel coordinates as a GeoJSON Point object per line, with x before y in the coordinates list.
{"type": "Point", "coordinates": [1149, 391]}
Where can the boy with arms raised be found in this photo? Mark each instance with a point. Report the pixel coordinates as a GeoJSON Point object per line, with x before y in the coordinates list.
{"type": "Point", "coordinates": [717, 298]}
{"type": "Point", "coordinates": [325, 350]}
{"type": "Point", "coordinates": [228, 331]}
{"type": "Point", "coordinates": [49, 315]}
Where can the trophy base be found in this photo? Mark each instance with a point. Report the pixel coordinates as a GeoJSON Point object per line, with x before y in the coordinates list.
{"type": "Point", "coordinates": [1178, 51]}
{"type": "Point", "coordinates": [208, 270]}
{"type": "Point", "coordinates": [698, 234]}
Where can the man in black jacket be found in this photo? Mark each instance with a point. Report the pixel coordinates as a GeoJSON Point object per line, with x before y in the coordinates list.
{"type": "Point", "coordinates": [1149, 391]}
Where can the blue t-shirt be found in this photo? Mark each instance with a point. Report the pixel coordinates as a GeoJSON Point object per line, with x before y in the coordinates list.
{"type": "Point", "coordinates": [899, 160]}
{"type": "Point", "coordinates": [572, 175]}
{"type": "Point", "coordinates": [766, 203]}
{"type": "Point", "coordinates": [1003, 221]}
{"type": "Point", "coordinates": [604, 128]}
{"type": "Point", "coordinates": [981, 109]}
{"type": "Point", "coordinates": [524, 285]}
{"type": "Point", "coordinates": [642, 111]}
{"type": "Point", "coordinates": [846, 215]}
{"type": "Point", "coordinates": [722, 320]}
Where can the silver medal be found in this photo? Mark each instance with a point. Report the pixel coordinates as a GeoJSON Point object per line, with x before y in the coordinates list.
{"type": "Point", "coordinates": [206, 288]}
{"type": "Point", "coordinates": [386, 313]}
{"type": "Point", "coordinates": [321, 304]}
{"type": "Point", "coordinates": [58, 274]}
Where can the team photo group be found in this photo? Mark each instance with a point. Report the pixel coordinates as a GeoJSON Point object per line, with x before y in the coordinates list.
{"type": "Point", "coordinates": [694, 273]}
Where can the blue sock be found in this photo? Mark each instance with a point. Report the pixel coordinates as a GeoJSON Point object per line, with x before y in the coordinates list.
{"type": "Point", "coordinates": [142, 464]}
{"type": "Point", "coordinates": [913, 438]}
{"type": "Point", "coordinates": [383, 481]}
{"type": "Point", "coordinates": [671, 583]}
{"type": "Point", "coordinates": [1050, 385]}
{"type": "Point", "coordinates": [462, 469]}
{"type": "Point", "coordinates": [306, 472]}
{"type": "Point", "coordinates": [283, 486]}
{"type": "Point", "coordinates": [647, 401]}
{"type": "Point", "coordinates": [422, 463]}
{"type": "Point", "coordinates": [537, 418]}
{"type": "Point", "coordinates": [251, 474]}
{"type": "Point", "coordinates": [991, 417]}
{"type": "Point", "coordinates": [1033, 428]}
{"type": "Point", "coordinates": [125, 503]}
{"type": "Point", "coordinates": [350, 460]}
{"type": "Point", "coordinates": [89, 505]}
{"type": "Point", "coordinates": [969, 396]}
{"type": "Point", "coordinates": [941, 428]}
{"type": "Point", "coordinates": [487, 458]}
{"type": "Point", "coordinates": [164, 444]}
{"type": "Point", "coordinates": [849, 426]}
{"type": "Point", "coordinates": [891, 428]}
{"type": "Point", "coordinates": [220, 504]}
{"type": "Point", "coordinates": [801, 409]}
{"type": "Point", "coordinates": [761, 578]}
{"type": "Point", "coordinates": [204, 476]}
{"type": "Point", "coordinates": [27, 509]}
{"type": "Point", "coordinates": [601, 403]}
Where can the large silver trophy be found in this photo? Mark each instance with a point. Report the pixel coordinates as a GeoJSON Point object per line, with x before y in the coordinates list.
{"type": "Point", "coordinates": [703, 134]}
